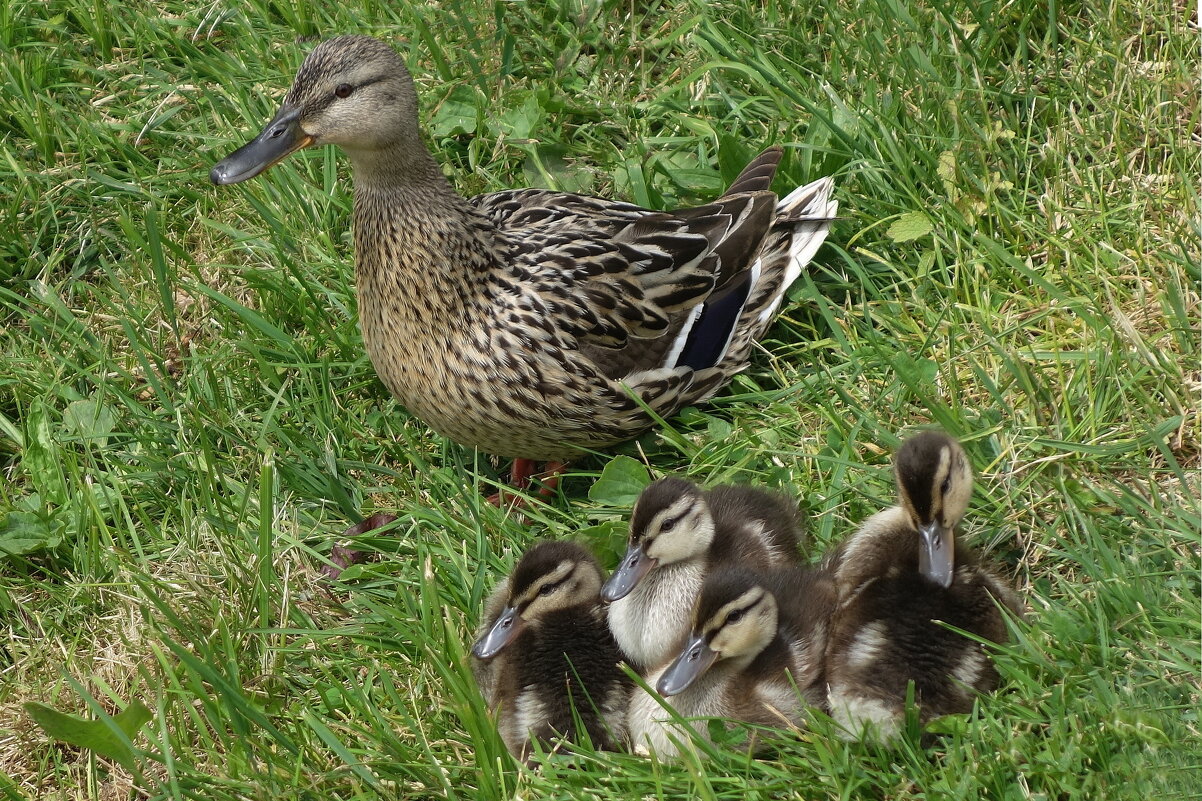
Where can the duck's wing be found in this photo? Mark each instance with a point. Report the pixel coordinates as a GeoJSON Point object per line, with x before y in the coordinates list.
{"type": "Point", "coordinates": [645, 309]}
{"type": "Point", "coordinates": [803, 218]}
{"type": "Point", "coordinates": [607, 273]}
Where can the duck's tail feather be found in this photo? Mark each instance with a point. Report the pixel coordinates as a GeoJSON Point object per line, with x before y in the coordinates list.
{"type": "Point", "coordinates": [757, 176]}
{"type": "Point", "coordinates": [803, 218]}
{"type": "Point", "coordinates": [809, 210]}
{"type": "Point", "coordinates": [720, 332]}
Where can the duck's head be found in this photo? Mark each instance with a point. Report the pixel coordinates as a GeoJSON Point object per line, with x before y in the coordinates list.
{"type": "Point", "coordinates": [550, 576]}
{"type": "Point", "coordinates": [735, 618]}
{"type": "Point", "coordinates": [934, 482]}
{"type": "Point", "coordinates": [352, 91]}
{"type": "Point", "coordinates": [671, 522]}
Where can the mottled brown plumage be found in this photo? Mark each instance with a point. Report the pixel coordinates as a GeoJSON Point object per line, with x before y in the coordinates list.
{"type": "Point", "coordinates": [531, 323]}
{"type": "Point", "coordinates": [888, 628]}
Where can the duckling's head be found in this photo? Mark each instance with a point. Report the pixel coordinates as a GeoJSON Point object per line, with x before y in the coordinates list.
{"type": "Point", "coordinates": [671, 522]}
{"type": "Point", "coordinates": [934, 482]}
{"type": "Point", "coordinates": [352, 91]}
{"type": "Point", "coordinates": [550, 577]}
{"type": "Point", "coordinates": [735, 618]}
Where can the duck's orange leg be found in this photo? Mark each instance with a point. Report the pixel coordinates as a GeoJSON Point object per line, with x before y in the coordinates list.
{"type": "Point", "coordinates": [520, 476]}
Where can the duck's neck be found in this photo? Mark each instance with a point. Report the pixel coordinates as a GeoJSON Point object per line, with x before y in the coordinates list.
{"type": "Point", "coordinates": [406, 163]}
{"type": "Point", "coordinates": [415, 237]}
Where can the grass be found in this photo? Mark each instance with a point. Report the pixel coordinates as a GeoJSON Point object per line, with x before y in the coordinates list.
{"type": "Point", "coordinates": [188, 421]}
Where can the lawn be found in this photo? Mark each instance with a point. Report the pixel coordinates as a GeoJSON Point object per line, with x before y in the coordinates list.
{"type": "Point", "coordinates": [188, 421]}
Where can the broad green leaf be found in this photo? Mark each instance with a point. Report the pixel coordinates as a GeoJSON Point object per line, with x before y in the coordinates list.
{"type": "Point", "coordinates": [909, 226]}
{"type": "Point", "coordinates": [620, 483]}
{"type": "Point", "coordinates": [520, 122]}
{"type": "Point", "coordinates": [733, 155]}
{"type": "Point", "coordinates": [95, 735]}
{"type": "Point", "coordinates": [686, 171]}
{"type": "Point", "coordinates": [547, 168]}
{"type": "Point", "coordinates": [699, 181]}
{"type": "Point", "coordinates": [718, 429]}
{"type": "Point", "coordinates": [25, 532]}
{"type": "Point", "coordinates": [947, 167]}
{"type": "Point", "coordinates": [89, 420]}
{"type": "Point", "coordinates": [916, 372]}
{"type": "Point", "coordinates": [41, 456]}
{"type": "Point", "coordinates": [607, 539]}
{"type": "Point", "coordinates": [458, 114]}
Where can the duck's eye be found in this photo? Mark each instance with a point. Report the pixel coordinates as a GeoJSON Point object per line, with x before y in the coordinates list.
{"type": "Point", "coordinates": [343, 90]}
{"type": "Point", "coordinates": [735, 616]}
{"type": "Point", "coordinates": [946, 485]}
{"type": "Point", "coordinates": [669, 524]}
{"type": "Point", "coordinates": [547, 589]}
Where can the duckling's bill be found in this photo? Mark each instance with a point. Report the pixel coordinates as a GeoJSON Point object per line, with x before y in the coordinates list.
{"type": "Point", "coordinates": [691, 665]}
{"type": "Point", "coordinates": [508, 626]}
{"type": "Point", "coordinates": [280, 138]}
{"type": "Point", "coordinates": [635, 564]}
{"type": "Point", "coordinates": [936, 559]}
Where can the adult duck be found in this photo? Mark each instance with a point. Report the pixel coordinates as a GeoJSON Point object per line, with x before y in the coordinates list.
{"type": "Point", "coordinates": [535, 324]}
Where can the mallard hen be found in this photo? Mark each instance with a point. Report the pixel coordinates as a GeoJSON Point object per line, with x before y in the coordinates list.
{"type": "Point", "coordinates": [678, 534]}
{"type": "Point", "coordinates": [902, 576]}
{"type": "Point", "coordinates": [545, 660]}
{"type": "Point", "coordinates": [755, 654]}
{"type": "Point", "coordinates": [535, 324]}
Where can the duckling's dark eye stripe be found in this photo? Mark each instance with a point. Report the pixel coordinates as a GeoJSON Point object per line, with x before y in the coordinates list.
{"type": "Point", "coordinates": [735, 615]}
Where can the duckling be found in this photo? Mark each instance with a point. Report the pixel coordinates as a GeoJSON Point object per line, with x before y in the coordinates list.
{"type": "Point", "coordinates": [678, 533]}
{"type": "Point", "coordinates": [899, 577]}
{"type": "Point", "coordinates": [545, 660]}
{"type": "Point", "coordinates": [535, 324]}
{"type": "Point", "coordinates": [755, 654]}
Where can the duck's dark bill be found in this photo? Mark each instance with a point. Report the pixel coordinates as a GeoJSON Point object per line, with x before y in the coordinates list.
{"type": "Point", "coordinates": [282, 136]}
{"type": "Point", "coordinates": [688, 667]}
{"type": "Point", "coordinates": [635, 564]}
{"type": "Point", "coordinates": [508, 626]}
{"type": "Point", "coordinates": [935, 558]}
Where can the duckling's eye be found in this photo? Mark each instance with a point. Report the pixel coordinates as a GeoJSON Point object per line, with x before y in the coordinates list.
{"type": "Point", "coordinates": [668, 524]}
{"type": "Point", "coordinates": [946, 485]}
{"type": "Point", "coordinates": [735, 616]}
{"type": "Point", "coordinates": [547, 589]}
{"type": "Point", "coordinates": [343, 90]}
